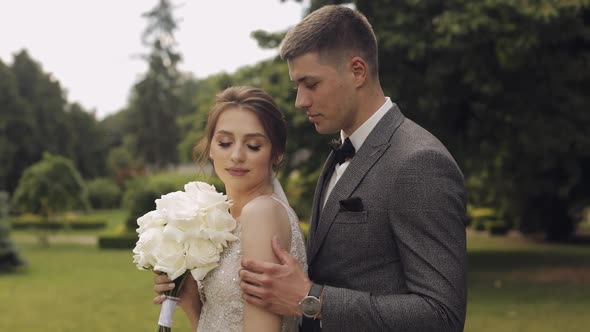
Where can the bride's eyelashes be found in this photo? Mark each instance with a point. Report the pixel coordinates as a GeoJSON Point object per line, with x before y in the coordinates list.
{"type": "Point", "coordinates": [250, 146]}
{"type": "Point", "coordinates": [253, 147]}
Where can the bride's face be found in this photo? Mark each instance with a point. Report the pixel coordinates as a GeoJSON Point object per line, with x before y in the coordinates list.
{"type": "Point", "coordinates": [241, 151]}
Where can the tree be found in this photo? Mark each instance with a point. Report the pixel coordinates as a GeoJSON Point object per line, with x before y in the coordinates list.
{"type": "Point", "coordinates": [504, 84]}
{"type": "Point", "coordinates": [155, 101]}
{"type": "Point", "coordinates": [36, 118]}
{"type": "Point", "coordinates": [50, 186]}
{"type": "Point", "coordinates": [17, 131]}
{"type": "Point", "coordinates": [46, 100]}
{"type": "Point", "coordinates": [89, 143]}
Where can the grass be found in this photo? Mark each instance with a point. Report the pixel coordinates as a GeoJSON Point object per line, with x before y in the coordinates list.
{"type": "Point", "coordinates": [522, 285]}
{"type": "Point", "coordinates": [514, 285]}
{"type": "Point", "coordinates": [79, 288]}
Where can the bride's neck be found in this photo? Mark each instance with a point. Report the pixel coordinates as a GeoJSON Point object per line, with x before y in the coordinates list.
{"type": "Point", "coordinates": [241, 198]}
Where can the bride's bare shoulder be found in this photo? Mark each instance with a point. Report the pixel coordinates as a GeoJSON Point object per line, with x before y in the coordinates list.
{"type": "Point", "coordinates": [264, 208]}
{"type": "Point", "coordinates": [261, 219]}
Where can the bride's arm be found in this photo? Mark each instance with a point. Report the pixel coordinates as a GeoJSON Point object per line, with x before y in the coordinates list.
{"type": "Point", "coordinates": [190, 300]}
{"type": "Point", "coordinates": [262, 219]}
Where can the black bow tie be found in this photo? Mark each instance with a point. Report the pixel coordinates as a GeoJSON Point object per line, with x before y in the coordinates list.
{"type": "Point", "coordinates": [343, 151]}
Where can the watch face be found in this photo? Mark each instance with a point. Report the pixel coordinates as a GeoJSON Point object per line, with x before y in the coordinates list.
{"type": "Point", "coordinates": [310, 306]}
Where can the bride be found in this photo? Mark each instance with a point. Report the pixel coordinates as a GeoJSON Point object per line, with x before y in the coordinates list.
{"type": "Point", "coordinates": [245, 141]}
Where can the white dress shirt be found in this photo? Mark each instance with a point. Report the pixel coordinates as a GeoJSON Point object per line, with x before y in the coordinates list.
{"type": "Point", "coordinates": [357, 139]}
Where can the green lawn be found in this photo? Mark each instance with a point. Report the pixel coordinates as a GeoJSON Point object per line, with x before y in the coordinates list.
{"type": "Point", "coordinates": [515, 285]}
{"type": "Point", "coordinates": [79, 288]}
{"type": "Point", "coordinates": [521, 285]}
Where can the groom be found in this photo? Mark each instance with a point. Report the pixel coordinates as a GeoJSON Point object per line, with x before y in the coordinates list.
{"type": "Point", "coordinates": [386, 247]}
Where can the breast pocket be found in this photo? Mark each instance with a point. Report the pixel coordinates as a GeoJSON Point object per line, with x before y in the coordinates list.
{"type": "Point", "coordinates": [344, 217]}
{"type": "Point", "coordinates": [350, 230]}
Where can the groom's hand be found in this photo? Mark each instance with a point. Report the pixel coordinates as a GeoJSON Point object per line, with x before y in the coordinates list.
{"type": "Point", "coordinates": [275, 287]}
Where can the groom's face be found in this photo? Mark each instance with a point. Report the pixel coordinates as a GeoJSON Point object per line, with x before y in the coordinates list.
{"type": "Point", "coordinates": [325, 91]}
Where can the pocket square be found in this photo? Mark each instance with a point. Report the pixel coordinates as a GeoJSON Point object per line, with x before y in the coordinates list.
{"type": "Point", "coordinates": [352, 204]}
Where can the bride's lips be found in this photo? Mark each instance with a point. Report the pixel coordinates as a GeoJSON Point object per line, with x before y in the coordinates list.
{"type": "Point", "coordinates": [236, 171]}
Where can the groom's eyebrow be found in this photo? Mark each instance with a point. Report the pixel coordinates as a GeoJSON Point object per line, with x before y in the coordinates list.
{"type": "Point", "coordinates": [303, 79]}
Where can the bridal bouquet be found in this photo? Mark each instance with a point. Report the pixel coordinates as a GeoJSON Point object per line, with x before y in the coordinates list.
{"type": "Point", "coordinates": [186, 233]}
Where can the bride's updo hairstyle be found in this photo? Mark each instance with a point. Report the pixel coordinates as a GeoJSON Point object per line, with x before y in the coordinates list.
{"type": "Point", "coordinates": [256, 101]}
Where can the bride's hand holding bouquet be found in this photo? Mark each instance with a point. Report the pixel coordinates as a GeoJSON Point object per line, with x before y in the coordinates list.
{"type": "Point", "coordinates": [186, 233]}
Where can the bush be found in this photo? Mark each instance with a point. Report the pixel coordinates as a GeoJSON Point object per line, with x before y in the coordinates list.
{"type": "Point", "coordinates": [10, 260]}
{"type": "Point", "coordinates": [49, 186]}
{"type": "Point", "coordinates": [126, 242]}
{"type": "Point", "coordinates": [64, 221]}
{"type": "Point", "coordinates": [178, 179]}
{"type": "Point", "coordinates": [298, 188]}
{"type": "Point", "coordinates": [485, 218]}
{"type": "Point", "coordinates": [57, 225]}
{"type": "Point", "coordinates": [104, 193]}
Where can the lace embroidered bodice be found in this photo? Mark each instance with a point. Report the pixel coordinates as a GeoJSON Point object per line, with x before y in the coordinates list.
{"type": "Point", "coordinates": [223, 307]}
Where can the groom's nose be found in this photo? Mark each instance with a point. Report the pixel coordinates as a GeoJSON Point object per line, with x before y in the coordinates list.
{"type": "Point", "coordinates": [303, 99]}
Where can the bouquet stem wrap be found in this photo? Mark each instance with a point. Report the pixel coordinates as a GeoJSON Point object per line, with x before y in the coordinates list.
{"type": "Point", "coordinates": [167, 310]}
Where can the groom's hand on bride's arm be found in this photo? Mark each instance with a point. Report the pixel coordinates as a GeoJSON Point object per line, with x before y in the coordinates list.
{"type": "Point", "coordinates": [275, 287]}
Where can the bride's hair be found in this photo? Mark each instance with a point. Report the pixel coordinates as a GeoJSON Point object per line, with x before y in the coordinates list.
{"type": "Point", "coordinates": [258, 102]}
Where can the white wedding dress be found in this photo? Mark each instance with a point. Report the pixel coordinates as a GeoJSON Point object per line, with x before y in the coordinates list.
{"type": "Point", "coordinates": [223, 307]}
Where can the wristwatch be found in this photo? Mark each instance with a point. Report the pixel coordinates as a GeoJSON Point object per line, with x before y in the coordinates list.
{"type": "Point", "coordinates": [311, 305]}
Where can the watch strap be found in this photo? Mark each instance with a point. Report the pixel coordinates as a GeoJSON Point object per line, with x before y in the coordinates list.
{"type": "Point", "coordinates": [316, 290]}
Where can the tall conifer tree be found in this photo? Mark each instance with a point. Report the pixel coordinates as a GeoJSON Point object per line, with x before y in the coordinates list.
{"type": "Point", "coordinates": [155, 100]}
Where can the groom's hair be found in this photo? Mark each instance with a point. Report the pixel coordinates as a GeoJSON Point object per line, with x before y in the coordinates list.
{"type": "Point", "coordinates": [258, 102]}
{"type": "Point", "coordinates": [337, 33]}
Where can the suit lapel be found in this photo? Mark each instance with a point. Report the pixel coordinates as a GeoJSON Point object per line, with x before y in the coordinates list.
{"type": "Point", "coordinates": [318, 199]}
{"type": "Point", "coordinates": [372, 149]}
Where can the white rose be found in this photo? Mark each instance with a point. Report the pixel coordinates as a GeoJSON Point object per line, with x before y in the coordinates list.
{"type": "Point", "coordinates": [201, 257]}
{"type": "Point", "coordinates": [150, 220]}
{"type": "Point", "coordinates": [177, 206]}
{"type": "Point", "coordinates": [187, 231]}
{"type": "Point", "coordinates": [180, 230]}
{"type": "Point", "coordinates": [220, 220]}
{"type": "Point", "coordinates": [220, 224]}
{"type": "Point", "coordinates": [148, 242]}
{"type": "Point", "coordinates": [170, 257]}
{"type": "Point", "coordinates": [205, 195]}
{"type": "Point", "coordinates": [201, 252]}
{"type": "Point", "coordinates": [199, 186]}
{"type": "Point", "coordinates": [195, 231]}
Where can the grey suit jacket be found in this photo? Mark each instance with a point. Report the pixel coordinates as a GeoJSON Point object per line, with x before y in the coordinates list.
{"type": "Point", "coordinates": [398, 263]}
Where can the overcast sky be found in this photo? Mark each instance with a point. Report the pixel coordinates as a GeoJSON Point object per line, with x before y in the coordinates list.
{"type": "Point", "coordinates": [91, 46]}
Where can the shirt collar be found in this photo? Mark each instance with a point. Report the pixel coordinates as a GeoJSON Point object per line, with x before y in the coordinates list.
{"type": "Point", "coordinates": [361, 133]}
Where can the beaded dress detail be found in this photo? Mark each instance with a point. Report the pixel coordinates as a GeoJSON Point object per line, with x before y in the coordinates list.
{"type": "Point", "coordinates": [223, 307]}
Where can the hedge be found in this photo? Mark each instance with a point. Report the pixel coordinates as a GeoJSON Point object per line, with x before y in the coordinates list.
{"type": "Point", "coordinates": [59, 225]}
{"type": "Point", "coordinates": [126, 242]}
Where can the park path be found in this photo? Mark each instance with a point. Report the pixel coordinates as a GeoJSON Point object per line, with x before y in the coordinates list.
{"type": "Point", "coordinates": [57, 238]}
